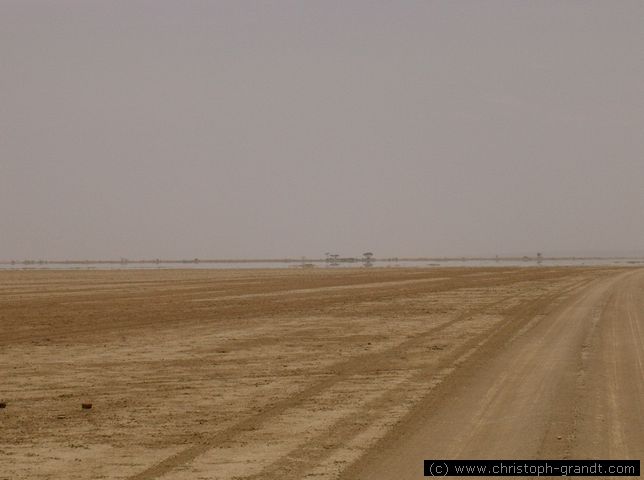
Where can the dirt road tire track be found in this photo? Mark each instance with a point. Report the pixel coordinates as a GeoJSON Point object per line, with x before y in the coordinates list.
{"type": "Point", "coordinates": [298, 462]}
{"type": "Point", "coordinates": [570, 386]}
{"type": "Point", "coordinates": [525, 312]}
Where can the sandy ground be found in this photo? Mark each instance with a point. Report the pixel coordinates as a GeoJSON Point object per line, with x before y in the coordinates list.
{"type": "Point", "coordinates": [322, 373]}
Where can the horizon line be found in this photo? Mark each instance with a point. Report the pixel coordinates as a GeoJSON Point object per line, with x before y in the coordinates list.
{"type": "Point", "coordinates": [301, 259]}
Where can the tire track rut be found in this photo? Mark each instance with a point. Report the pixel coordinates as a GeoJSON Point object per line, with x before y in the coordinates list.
{"type": "Point", "coordinates": [354, 366]}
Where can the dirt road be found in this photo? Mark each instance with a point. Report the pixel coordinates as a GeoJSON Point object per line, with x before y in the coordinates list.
{"type": "Point", "coordinates": [569, 384]}
{"type": "Point", "coordinates": [323, 373]}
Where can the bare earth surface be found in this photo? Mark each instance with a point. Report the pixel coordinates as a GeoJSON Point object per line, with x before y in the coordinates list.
{"type": "Point", "coordinates": [321, 374]}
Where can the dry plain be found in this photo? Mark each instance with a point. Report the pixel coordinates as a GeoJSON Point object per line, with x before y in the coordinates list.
{"type": "Point", "coordinates": [317, 373]}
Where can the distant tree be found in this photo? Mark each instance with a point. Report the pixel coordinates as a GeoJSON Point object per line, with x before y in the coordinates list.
{"type": "Point", "coordinates": [367, 255]}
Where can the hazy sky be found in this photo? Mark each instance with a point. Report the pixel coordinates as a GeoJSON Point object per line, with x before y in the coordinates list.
{"type": "Point", "coordinates": [219, 129]}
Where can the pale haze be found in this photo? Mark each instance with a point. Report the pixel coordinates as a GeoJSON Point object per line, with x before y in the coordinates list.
{"type": "Point", "coordinates": [214, 129]}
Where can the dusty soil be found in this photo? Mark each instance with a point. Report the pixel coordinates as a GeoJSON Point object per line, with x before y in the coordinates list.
{"type": "Point", "coordinates": [322, 373]}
